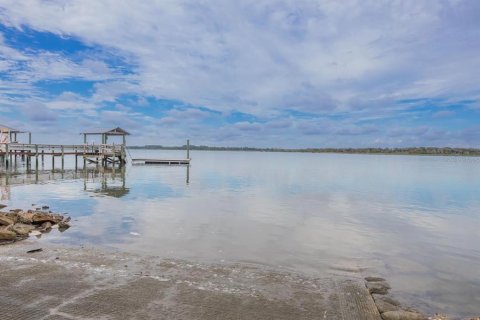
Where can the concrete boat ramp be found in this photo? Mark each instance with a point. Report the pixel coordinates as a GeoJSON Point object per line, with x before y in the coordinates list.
{"type": "Point", "coordinates": [78, 283]}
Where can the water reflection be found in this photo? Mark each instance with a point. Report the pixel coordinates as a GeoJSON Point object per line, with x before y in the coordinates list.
{"type": "Point", "coordinates": [103, 181]}
{"type": "Point", "coordinates": [110, 182]}
{"type": "Point", "coordinates": [414, 220]}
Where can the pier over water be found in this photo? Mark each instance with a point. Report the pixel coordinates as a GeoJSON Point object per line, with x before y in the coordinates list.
{"type": "Point", "coordinates": [103, 153]}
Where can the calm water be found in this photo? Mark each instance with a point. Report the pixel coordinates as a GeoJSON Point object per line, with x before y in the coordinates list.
{"type": "Point", "coordinates": [415, 220]}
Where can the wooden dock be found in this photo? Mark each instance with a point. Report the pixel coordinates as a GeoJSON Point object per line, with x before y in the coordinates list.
{"type": "Point", "coordinates": [95, 153]}
{"type": "Point", "coordinates": [103, 153]}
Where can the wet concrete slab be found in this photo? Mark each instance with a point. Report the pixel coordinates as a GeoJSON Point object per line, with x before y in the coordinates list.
{"type": "Point", "coordinates": [79, 283]}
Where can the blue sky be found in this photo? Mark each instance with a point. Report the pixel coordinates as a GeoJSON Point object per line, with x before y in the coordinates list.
{"type": "Point", "coordinates": [244, 73]}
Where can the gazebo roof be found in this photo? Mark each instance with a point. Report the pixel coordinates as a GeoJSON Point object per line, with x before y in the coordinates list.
{"type": "Point", "coordinates": [112, 132]}
{"type": "Point", "coordinates": [6, 129]}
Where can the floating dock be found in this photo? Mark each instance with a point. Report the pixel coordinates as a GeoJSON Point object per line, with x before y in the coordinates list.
{"type": "Point", "coordinates": [161, 161]}
{"type": "Point", "coordinates": [143, 161]}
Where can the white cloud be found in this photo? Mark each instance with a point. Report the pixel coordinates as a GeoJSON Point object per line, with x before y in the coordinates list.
{"type": "Point", "coordinates": [255, 56]}
{"type": "Point", "coordinates": [353, 59]}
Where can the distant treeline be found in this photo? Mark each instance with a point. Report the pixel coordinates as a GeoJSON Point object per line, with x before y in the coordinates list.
{"type": "Point", "coordinates": [406, 151]}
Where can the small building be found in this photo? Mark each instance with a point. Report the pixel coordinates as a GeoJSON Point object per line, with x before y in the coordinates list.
{"type": "Point", "coordinates": [105, 134]}
{"type": "Point", "coordinates": [9, 135]}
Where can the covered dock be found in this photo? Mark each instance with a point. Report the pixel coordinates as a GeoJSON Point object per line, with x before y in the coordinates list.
{"type": "Point", "coordinates": [10, 135]}
{"type": "Point", "coordinates": [103, 152]}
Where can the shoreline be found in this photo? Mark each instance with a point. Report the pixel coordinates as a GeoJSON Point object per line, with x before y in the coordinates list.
{"type": "Point", "coordinates": [337, 280]}
{"type": "Point", "coordinates": [103, 278]}
{"type": "Point", "coordinates": [360, 151]}
{"type": "Point", "coordinates": [92, 283]}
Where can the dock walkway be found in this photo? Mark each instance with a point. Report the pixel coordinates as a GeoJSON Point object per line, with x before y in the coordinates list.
{"type": "Point", "coordinates": [106, 153]}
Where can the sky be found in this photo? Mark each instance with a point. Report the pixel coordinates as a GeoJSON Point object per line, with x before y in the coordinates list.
{"type": "Point", "coordinates": [263, 73]}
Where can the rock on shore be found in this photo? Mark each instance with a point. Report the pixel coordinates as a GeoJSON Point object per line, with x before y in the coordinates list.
{"type": "Point", "coordinates": [18, 224]}
{"type": "Point", "coordinates": [389, 308]}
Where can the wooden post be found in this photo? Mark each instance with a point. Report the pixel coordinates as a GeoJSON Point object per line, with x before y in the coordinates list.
{"type": "Point", "coordinates": [63, 159]}
{"type": "Point", "coordinates": [84, 138]}
{"type": "Point", "coordinates": [36, 157]}
{"type": "Point", "coordinates": [123, 155]}
{"type": "Point", "coordinates": [6, 155]}
{"type": "Point", "coordinates": [53, 159]}
{"type": "Point", "coordinates": [122, 172]}
{"type": "Point", "coordinates": [84, 158]}
{"type": "Point", "coordinates": [29, 138]}
{"type": "Point", "coordinates": [84, 176]}
{"type": "Point", "coordinates": [114, 157]}
{"type": "Point", "coordinates": [188, 148]}
{"type": "Point", "coordinates": [43, 157]}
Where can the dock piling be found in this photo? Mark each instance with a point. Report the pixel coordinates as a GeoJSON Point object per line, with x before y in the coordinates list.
{"type": "Point", "coordinates": [36, 157]}
{"type": "Point", "coordinates": [6, 156]}
{"type": "Point", "coordinates": [63, 159]}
